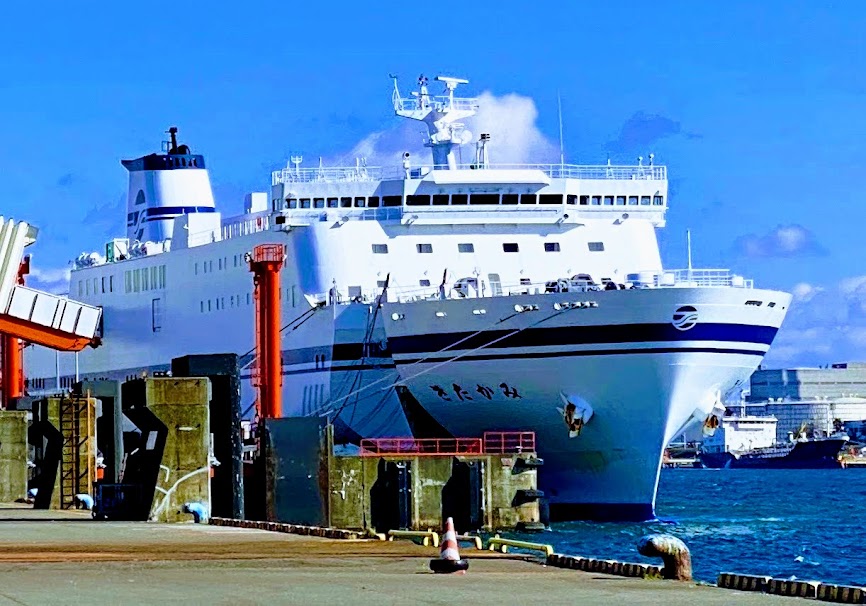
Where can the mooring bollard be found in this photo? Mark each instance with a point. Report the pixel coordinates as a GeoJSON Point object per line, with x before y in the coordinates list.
{"type": "Point", "coordinates": [673, 552]}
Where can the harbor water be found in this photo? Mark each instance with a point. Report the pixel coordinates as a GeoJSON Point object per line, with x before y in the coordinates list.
{"type": "Point", "coordinates": [803, 523]}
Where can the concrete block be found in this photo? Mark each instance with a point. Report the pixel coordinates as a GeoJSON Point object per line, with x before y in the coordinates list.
{"type": "Point", "coordinates": [797, 589]}
{"type": "Point", "coordinates": [841, 594]}
{"type": "Point", "coordinates": [13, 455]}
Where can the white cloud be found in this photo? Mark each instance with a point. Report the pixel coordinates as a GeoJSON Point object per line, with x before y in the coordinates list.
{"type": "Point", "coordinates": [53, 280]}
{"type": "Point", "coordinates": [509, 119]}
{"type": "Point", "coordinates": [783, 241]}
{"type": "Point", "coordinates": [824, 325]}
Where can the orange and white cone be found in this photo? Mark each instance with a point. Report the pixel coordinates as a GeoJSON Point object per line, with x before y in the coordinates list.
{"type": "Point", "coordinates": [449, 557]}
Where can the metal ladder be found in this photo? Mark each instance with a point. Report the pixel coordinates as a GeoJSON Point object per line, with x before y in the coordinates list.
{"type": "Point", "coordinates": [75, 461]}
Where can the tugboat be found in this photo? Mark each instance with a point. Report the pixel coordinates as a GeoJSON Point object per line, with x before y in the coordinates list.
{"type": "Point", "coordinates": [748, 441]}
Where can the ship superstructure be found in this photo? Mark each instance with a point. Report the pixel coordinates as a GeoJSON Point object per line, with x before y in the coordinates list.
{"type": "Point", "coordinates": [441, 299]}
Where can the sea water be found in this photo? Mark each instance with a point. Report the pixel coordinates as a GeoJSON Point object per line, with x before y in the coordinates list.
{"type": "Point", "coordinates": [807, 524]}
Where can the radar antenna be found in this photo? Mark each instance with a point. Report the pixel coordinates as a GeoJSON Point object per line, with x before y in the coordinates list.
{"type": "Point", "coordinates": [441, 114]}
{"type": "Point", "coordinates": [296, 160]}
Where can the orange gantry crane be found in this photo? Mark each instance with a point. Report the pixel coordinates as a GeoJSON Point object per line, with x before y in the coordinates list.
{"type": "Point", "coordinates": [32, 316]}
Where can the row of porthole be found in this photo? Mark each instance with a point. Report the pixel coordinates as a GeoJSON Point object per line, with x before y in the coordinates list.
{"type": "Point", "coordinates": [517, 308]}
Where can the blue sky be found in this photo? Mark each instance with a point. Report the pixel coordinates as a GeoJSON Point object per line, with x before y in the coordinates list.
{"type": "Point", "coordinates": [757, 109]}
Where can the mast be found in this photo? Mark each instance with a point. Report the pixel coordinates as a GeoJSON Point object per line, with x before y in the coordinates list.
{"type": "Point", "coordinates": [441, 114]}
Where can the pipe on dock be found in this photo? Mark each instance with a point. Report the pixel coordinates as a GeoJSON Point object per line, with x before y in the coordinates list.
{"type": "Point", "coordinates": [266, 262]}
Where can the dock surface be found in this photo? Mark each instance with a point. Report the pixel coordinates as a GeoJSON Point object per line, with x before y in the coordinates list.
{"type": "Point", "coordinates": [53, 557]}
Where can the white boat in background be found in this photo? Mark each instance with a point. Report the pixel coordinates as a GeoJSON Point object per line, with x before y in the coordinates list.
{"type": "Point", "coordinates": [440, 298]}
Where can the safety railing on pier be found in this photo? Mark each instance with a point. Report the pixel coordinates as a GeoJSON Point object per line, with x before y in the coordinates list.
{"type": "Point", "coordinates": [375, 447]}
{"type": "Point", "coordinates": [509, 442]}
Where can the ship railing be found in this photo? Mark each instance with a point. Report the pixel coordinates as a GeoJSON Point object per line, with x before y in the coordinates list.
{"type": "Point", "coordinates": [509, 442]}
{"type": "Point", "coordinates": [341, 174]}
{"type": "Point", "coordinates": [703, 278]}
{"type": "Point", "coordinates": [440, 103]}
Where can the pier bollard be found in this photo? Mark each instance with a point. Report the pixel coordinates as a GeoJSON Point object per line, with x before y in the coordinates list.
{"type": "Point", "coordinates": [673, 552]}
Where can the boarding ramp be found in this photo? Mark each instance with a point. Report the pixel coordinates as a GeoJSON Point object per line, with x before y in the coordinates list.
{"type": "Point", "coordinates": [35, 316]}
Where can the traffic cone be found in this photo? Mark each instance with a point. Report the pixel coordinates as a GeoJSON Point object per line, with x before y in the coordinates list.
{"type": "Point", "coordinates": [449, 558]}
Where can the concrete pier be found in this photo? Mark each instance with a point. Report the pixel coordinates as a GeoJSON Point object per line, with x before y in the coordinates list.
{"type": "Point", "coordinates": [71, 560]}
{"type": "Point", "coordinates": [13, 455]}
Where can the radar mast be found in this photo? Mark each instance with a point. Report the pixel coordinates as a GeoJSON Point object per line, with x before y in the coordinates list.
{"type": "Point", "coordinates": [441, 114]}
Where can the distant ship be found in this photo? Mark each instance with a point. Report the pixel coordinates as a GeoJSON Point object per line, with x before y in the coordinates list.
{"type": "Point", "coordinates": [749, 441]}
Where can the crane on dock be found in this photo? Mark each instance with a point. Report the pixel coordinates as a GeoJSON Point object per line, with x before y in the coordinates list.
{"type": "Point", "coordinates": [28, 315]}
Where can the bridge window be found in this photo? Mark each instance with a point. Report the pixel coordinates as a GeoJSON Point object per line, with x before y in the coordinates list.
{"type": "Point", "coordinates": [424, 248]}
{"type": "Point", "coordinates": [392, 200]}
{"type": "Point", "coordinates": [596, 200]}
{"type": "Point", "coordinates": [571, 199]}
{"type": "Point", "coordinates": [528, 199]}
{"type": "Point", "coordinates": [144, 279]}
{"type": "Point", "coordinates": [424, 282]}
{"type": "Point", "coordinates": [373, 201]}
{"type": "Point", "coordinates": [620, 200]}
{"type": "Point", "coordinates": [584, 200]}
{"type": "Point", "coordinates": [305, 203]}
{"type": "Point", "coordinates": [318, 203]}
{"type": "Point", "coordinates": [659, 200]}
{"type": "Point", "coordinates": [466, 248]}
{"type": "Point", "coordinates": [608, 200]}
{"type": "Point", "coordinates": [380, 249]}
{"type": "Point", "coordinates": [380, 283]}
{"type": "Point", "coordinates": [417, 200]}
{"type": "Point", "coordinates": [596, 247]}
{"type": "Point", "coordinates": [136, 281]}
{"type": "Point", "coordinates": [644, 200]}
{"type": "Point", "coordinates": [440, 200]}
{"type": "Point", "coordinates": [510, 247]}
{"type": "Point", "coordinates": [551, 247]}
{"type": "Point", "coordinates": [525, 282]}
{"type": "Point", "coordinates": [360, 202]}
{"type": "Point", "coordinates": [345, 202]}
{"type": "Point", "coordinates": [127, 282]}
{"type": "Point", "coordinates": [488, 199]}
{"type": "Point", "coordinates": [510, 198]}
{"type": "Point", "coordinates": [632, 200]}
{"type": "Point", "coordinates": [551, 199]}
{"type": "Point", "coordinates": [333, 203]}
{"type": "Point", "coordinates": [459, 199]}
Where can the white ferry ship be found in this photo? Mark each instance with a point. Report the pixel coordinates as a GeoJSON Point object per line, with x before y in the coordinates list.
{"type": "Point", "coordinates": [440, 299]}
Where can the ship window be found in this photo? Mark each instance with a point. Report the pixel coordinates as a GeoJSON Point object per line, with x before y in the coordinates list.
{"type": "Point", "coordinates": [755, 303]}
{"type": "Point", "coordinates": [525, 281]}
{"type": "Point", "coordinates": [248, 298]}
{"type": "Point", "coordinates": [417, 200]}
{"type": "Point", "coordinates": [659, 200]}
{"type": "Point", "coordinates": [345, 202]}
{"type": "Point", "coordinates": [219, 264]}
{"type": "Point", "coordinates": [608, 200]}
{"type": "Point", "coordinates": [80, 288]}
{"type": "Point", "coordinates": [380, 249]}
{"type": "Point", "coordinates": [440, 200]}
{"type": "Point", "coordinates": [510, 247]}
{"type": "Point", "coordinates": [102, 280]}
{"type": "Point", "coordinates": [620, 200]}
{"type": "Point", "coordinates": [392, 200]}
{"type": "Point", "coordinates": [528, 199]}
{"type": "Point", "coordinates": [380, 283]}
{"type": "Point", "coordinates": [333, 203]}
{"type": "Point", "coordinates": [232, 301]}
{"type": "Point", "coordinates": [305, 203]}
{"type": "Point", "coordinates": [771, 304]}
{"type": "Point", "coordinates": [373, 201]}
{"type": "Point", "coordinates": [360, 202]}
{"type": "Point", "coordinates": [87, 287]}
{"type": "Point", "coordinates": [144, 279]}
{"type": "Point", "coordinates": [424, 282]}
{"type": "Point", "coordinates": [292, 202]}
{"type": "Point", "coordinates": [136, 281]}
{"type": "Point", "coordinates": [510, 198]}
{"type": "Point", "coordinates": [318, 203]}
{"type": "Point", "coordinates": [488, 199]}
{"type": "Point", "coordinates": [644, 200]}
{"type": "Point", "coordinates": [162, 276]}
{"type": "Point", "coordinates": [495, 285]}
{"type": "Point", "coordinates": [208, 305]}
{"type": "Point", "coordinates": [424, 248]}
{"type": "Point", "coordinates": [459, 199]}
{"type": "Point", "coordinates": [551, 199]}
{"type": "Point", "coordinates": [294, 302]}
{"type": "Point", "coordinates": [632, 200]}
{"type": "Point", "coordinates": [155, 315]}
{"type": "Point", "coordinates": [596, 246]}
{"type": "Point", "coordinates": [571, 199]}
{"type": "Point", "coordinates": [466, 248]}
{"type": "Point", "coordinates": [551, 247]}
{"type": "Point", "coordinates": [196, 268]}
{"type": "Point", "coordinates": [127, 282]}
{"type": "Point", "coordinates": [355, 292]}
{"type": "Point", "coordinates": [584, 200]}
{"type": "Point", "coordinates": [596, 201]}
{"type": "Point", "coordinates": [111, 283]}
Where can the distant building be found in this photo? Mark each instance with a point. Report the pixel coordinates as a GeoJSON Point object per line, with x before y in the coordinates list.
{"type": "Point", "coordinates": [821, 398]}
